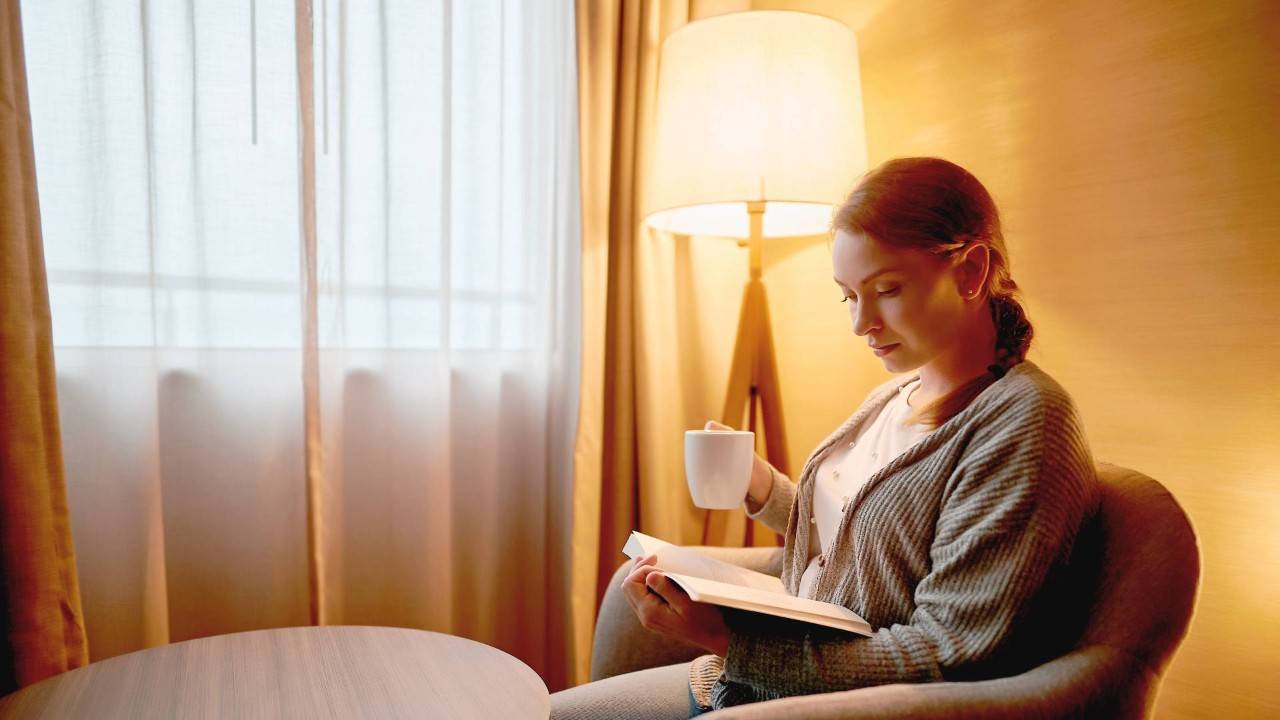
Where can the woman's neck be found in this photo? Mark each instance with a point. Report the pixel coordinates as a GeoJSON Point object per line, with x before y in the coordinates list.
{"type": "Point", "coordinates": [961, 363]}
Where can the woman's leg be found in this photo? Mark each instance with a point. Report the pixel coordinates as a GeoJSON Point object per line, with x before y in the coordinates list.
{"type": "Point", "coordinates": [660, 693]}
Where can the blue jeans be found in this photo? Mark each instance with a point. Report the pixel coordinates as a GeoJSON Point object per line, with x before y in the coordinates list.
{"type": "Point", "coordinates": [694, 709]}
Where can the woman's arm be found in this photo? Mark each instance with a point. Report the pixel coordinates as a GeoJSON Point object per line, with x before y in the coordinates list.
{"type": "Point", "coordinates": [1013, 511]}
{"type": "Point", "coordinates": [770, 496]}
{"type": "Point", "coordinates": [769, 492]}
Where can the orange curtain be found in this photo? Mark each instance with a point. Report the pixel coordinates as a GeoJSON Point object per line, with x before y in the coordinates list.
{"type": "Point", "coordinates": [41, 623]}
{"type": "Point", "coordinates": [645, 377]}
{"type": "Point", "coordinates": [618, 42]}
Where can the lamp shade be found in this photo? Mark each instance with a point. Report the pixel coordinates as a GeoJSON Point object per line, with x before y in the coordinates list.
{"type": "Point", "coordinates": [755, 106]}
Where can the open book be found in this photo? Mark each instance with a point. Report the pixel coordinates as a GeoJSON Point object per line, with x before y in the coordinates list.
{"type": "Point", "coordinates": [713, 581]}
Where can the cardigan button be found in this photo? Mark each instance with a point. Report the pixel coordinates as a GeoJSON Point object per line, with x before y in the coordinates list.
{"type": "Point", "coordinates": [822, 561]}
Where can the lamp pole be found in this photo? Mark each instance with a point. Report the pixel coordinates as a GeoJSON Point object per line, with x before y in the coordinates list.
{"type": "Point", "coordinates": [753, 378]}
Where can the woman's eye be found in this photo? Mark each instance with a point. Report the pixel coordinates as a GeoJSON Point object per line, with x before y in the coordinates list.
{"type": "Point", "coordinates": [889, 293]}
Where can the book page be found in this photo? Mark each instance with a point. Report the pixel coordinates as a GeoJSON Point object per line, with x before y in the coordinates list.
{"type": "Point", "coordinates": [788, 606]}
{"type": "Point", "coordinates": [685, 561]}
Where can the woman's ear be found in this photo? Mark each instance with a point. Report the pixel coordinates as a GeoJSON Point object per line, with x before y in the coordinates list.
{"type": "Point", "coordinates": [974, 262]}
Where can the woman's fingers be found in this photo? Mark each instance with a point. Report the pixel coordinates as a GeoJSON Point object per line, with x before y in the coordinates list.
{"type": "Point", "coordinates": [643, 560]}
{"type": "Point", "coordinates": [633, 584]}
{"type": "Point", "coordinates": [638, 575]}
{"type": "Point", "coordinates": [637, 587]}
{"type": "Point", "coordinates": [649, 599]}
{"type": "Point", "coordinates": [658, 602]}
{"type": "Point", "coordinates": [672, 594]}
{"type": "Point", "coordinates": [645, 604]}
{"type": "Point", "coordinates": [713, 425]}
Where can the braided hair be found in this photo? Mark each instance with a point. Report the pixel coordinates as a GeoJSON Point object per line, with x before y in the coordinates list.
{"type": "Point", "coordinates": [1013, 333]}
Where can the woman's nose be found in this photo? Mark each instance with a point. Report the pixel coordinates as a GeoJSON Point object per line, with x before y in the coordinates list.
{"type": "Point", "coordinates": [864, 318]}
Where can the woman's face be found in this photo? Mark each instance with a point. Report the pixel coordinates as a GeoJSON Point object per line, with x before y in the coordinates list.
{"type": "Point", "coordinates": [902, 298]}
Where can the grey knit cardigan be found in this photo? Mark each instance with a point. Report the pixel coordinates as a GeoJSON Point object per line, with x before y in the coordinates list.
{"type": "Point", "coordinates": [955, 551]}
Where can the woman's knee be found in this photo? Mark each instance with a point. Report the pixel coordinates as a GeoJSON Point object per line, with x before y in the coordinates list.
{"type": "Point", "coordinates": [660, 693]}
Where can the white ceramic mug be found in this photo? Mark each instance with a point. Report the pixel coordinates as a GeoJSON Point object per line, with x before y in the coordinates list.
{"type": "Point", "coordinates": [717, 464]}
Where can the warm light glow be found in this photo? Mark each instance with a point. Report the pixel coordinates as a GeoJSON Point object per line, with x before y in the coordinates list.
{"type": "Point", "coordinates": [759, 105]}
{"type": "Point", "coordinates": [781, 219]}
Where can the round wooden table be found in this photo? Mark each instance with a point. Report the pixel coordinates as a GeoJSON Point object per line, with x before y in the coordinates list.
{"type": "Point", "coordinates": [303, 672]}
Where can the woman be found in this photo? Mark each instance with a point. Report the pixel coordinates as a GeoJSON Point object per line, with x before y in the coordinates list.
{"type": "Point", "coordinates": [943, 511]}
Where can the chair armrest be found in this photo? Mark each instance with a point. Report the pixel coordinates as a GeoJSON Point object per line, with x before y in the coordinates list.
{"type": "Point", "coordinates": [1096, 681]}
{"type": "Point", "coordinates": [623, 645]}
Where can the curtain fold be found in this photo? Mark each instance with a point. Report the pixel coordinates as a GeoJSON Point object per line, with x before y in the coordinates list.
{"type": "Point", "coordinates": [41, 622]}
{"type": "Point", "coordinates": [643, 376]}
{"type": "Point", "coordinates": [650, 370]}
{"type": "Point", "coordinates": [313, 444]}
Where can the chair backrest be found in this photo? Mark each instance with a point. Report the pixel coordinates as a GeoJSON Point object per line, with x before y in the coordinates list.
{"type": "Point", "coordinates": [1140, 557]}
{"type": "Point", "coordinates": [1149, 573]}
{"type": "Point", "coordinates": [1136, 564]}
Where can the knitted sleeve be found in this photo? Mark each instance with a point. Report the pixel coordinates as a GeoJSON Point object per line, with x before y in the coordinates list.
{"type": "Point", "coordinates": [776, 511]}
{"type": "Point", "coordinates": [1010, 509]}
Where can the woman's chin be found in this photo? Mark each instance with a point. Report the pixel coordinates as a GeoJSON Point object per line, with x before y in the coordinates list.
{"type": "Point", "coordinates": [897, 361]}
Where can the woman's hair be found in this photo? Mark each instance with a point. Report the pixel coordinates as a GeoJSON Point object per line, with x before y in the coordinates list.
{"type": "Point", "coordinates": [935, 206]}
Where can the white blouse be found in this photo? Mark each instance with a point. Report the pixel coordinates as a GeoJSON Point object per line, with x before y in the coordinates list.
{"type": "Point", "coordinates": [846, 469]}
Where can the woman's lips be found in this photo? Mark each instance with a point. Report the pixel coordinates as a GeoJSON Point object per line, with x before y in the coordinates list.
{"type": "Point", "coordinates": [881, 352]}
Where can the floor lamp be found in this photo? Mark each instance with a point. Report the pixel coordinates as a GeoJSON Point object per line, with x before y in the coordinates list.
{"type": "Point", "coordinates": [758, 134]}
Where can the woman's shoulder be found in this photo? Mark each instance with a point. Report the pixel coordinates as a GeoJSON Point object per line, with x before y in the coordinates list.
{"type": "Point", "coordinates": [1025, 439]}
{"type": "Point", "coordinates": [1027, 389]}
{"type": "Point", "coordinates": [1030, 409]}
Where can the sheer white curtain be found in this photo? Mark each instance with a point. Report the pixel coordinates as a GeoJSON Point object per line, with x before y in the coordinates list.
{"type": "Point", "coordinates": [167, 148]}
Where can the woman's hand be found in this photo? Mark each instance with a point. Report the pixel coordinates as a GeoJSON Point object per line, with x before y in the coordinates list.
{"type": "Point", "coordinates": [662, 606]}
{"type": "Point", "coordinates": [761, 484]}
